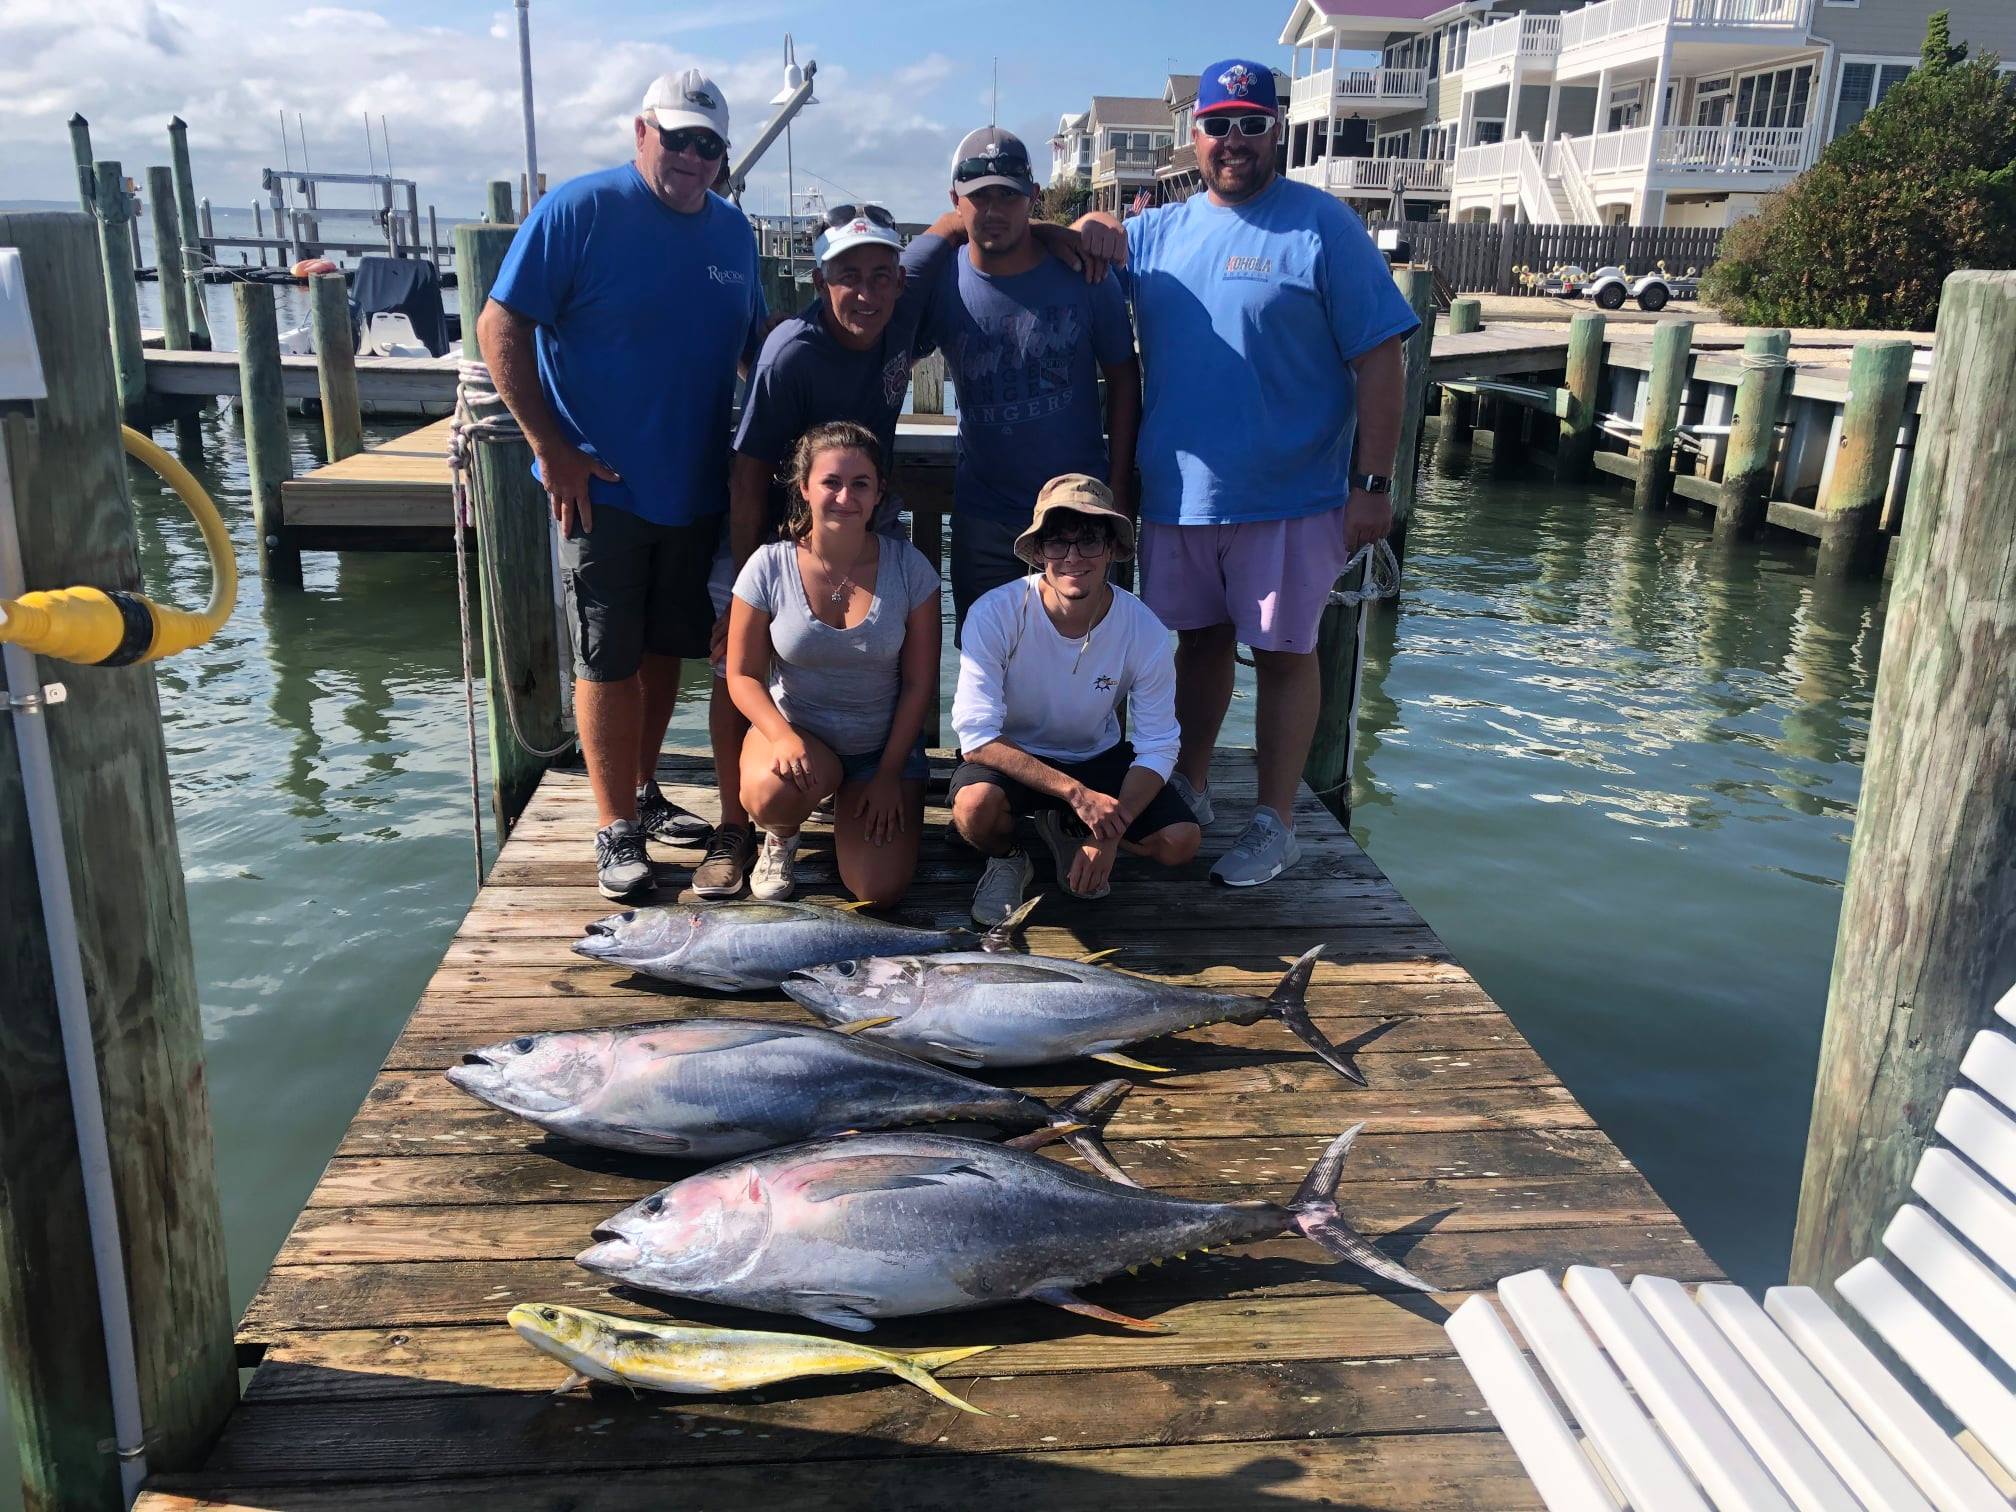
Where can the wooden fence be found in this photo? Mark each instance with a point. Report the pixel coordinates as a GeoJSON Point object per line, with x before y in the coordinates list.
{"type": "Point", "coordinates": [1480, 259]}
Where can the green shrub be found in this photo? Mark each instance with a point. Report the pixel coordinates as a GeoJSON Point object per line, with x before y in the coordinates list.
{"type": "Point", "coordinates": [1923, 185]}
{"type": "Point", "coordinates": [1065, 202]}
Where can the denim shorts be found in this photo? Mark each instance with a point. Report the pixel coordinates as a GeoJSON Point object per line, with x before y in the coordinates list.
{"type": "Point", "coordinates": [916, 766]}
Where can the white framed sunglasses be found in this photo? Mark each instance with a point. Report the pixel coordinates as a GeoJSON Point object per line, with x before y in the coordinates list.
{"type": "Point", "coordinates": [1218, 127]}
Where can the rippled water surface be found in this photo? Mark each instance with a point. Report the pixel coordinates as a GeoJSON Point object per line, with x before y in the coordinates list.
{"type": "Point", "coordinates": [1616, 771]}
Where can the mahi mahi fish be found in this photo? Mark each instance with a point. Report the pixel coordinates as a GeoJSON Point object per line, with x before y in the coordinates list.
{"type": "Point", "coordinates": [973, 1009]}
{"type": "Point", "coordinates": [705, 1089]}
{"type": "Point", "coordinates": [846, 1231]}
{"type": "Point", "coordinates": [741, 946]}
{"type": "Point", "coordinates": [672, 1357]}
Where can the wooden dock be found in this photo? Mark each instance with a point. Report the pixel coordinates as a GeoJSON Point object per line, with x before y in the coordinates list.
{"type": "Point", "coordinates": [396, 385]}
{"type": "Point", "coordinates": [386, 1377]}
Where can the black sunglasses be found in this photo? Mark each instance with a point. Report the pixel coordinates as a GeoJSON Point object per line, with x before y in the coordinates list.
{"type": "Point", "coordinates": [708, 145]}
{"type": "Point", "coordinates": [1219, 127]}
{"type": "Point", "coordinates": [1008, 165]}
{"type": "Point", "coordinates": [840, 215]}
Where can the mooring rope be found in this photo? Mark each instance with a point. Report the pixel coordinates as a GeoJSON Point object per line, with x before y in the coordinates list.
{"type": "Point", "coordinates": [1382, 575]}
{"type": "Point", "coordinates": [475, 390]}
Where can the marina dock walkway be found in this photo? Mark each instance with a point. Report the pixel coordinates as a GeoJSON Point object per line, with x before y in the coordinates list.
{"type": "Point", "coordinates": [386, 1377]}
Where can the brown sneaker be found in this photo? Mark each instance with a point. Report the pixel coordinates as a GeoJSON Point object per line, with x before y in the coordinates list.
{"type": "Point", "coordinates": [726, 866]}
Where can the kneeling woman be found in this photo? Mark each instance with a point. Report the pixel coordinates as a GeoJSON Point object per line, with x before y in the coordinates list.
{"type": "Point", "coordinates": [833, 659]}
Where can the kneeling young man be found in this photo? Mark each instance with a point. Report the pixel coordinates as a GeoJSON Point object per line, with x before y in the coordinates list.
{"type": "Point", "coordinates": [1045, 663]}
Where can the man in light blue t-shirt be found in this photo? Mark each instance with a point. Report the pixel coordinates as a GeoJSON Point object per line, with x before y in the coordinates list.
{"type": "Point", "coordinates": [615, 330]}
{"type": "Point", "coordinates": [1270, 330]}
{"type": "Point", "coordinates": [1026, 338]}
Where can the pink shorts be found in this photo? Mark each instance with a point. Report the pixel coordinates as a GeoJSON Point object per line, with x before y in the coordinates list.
{"type": "Point", "coordinates": [1269, 579]}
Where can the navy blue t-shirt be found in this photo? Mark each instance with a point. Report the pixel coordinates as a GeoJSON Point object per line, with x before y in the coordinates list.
{"type": "Point", "coordinates": [1024, 353]}
{"type": "Point", "coordinates": [643, 314]}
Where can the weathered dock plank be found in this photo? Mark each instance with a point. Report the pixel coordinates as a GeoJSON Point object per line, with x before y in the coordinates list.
{"type": "Point", "coordinates": [387, 1379]}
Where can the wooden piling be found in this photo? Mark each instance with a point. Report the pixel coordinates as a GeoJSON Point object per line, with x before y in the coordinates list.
{"type": "Point", "coordinates": [1576, 448]}
{"type": "Point", "coordinates": [168, 259]}
{"type": "Point", "coordinates": [927, 384]}
{"type": "Point", "coordinates": [1745, 488]}
{"type": "Point", "coordinates": [335, 364]}
{"type": "Point", "coordinates": [1851, 509]}
{"type": "Point", "coordinates": [1459, 411]}
{"type": "Point", "coordinates": [1924, 947]}
{"type": "Point", "coordinates": [262, 401]}
{"type": "Point", "coordinates": [113, 211]}
{"type": "Point", "coordinates": [192, 240]}
{"type": "Point", "coordinates": [76, 526]}
{"type": "Point", "coordinates": [80, 149]}
{"type": "Point", "coordinates": [1417, 286]}
{"type": "Point", "coordinates": [433, 242]}
{"type": "Point", "coordinates": [521, 652]}
{"type": "Point", "coordinates": [1672, 343]}
{"type": "Point", "coordinates": [500, 211]}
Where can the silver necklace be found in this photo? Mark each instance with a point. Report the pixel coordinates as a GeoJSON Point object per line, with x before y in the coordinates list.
{"type": "Point", "coordinates": [839, 591]}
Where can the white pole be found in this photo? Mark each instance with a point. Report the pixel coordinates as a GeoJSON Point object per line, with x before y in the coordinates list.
{"type": "Point", "coordinates": [525, 96]}
{"type": "Point", "coordinates": [791, 206]}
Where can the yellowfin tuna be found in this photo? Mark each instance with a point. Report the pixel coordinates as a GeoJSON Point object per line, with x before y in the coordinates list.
{"type": "Point", "coordinates": [675, 1357]}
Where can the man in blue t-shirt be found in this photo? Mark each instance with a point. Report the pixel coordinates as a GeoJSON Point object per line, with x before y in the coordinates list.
{"type": "Point", "coordinates": [1026, 339]}
{"type": "Point", "coordinates": [1270, 329]}
{"type": "Point", "coordinates": [624, 310]}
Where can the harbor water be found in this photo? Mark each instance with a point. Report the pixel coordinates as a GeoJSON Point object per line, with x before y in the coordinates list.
{"type": "Point", "coordinates": [1615, 768]}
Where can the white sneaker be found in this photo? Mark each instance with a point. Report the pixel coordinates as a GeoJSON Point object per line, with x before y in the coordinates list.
{"type": "Point", "coordinates": [1265, 849]}
{"type": "Point", "coordinates": [774, 877]}
{"type": "Point", "coordinates": [1001, 885]}
{"type": "Point", "coordinates": [1199, 803]}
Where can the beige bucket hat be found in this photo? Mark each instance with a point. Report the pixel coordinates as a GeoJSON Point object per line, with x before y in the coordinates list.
{"type": "Point", "coordinates": [1079, 494]}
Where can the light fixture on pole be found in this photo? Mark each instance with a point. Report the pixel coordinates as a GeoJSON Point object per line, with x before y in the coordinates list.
{"type": "Point", "coordinates": [797, 82]}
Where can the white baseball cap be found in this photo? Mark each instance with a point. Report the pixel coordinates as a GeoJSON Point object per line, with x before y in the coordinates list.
{"type": "Point", "coordinates": [870, 225]}
{"type": "Point", "coordinates": [688, 99]}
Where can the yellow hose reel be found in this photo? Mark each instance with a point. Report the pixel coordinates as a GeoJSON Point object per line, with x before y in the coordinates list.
{"type": "Point", "coordinates": [100, 627]}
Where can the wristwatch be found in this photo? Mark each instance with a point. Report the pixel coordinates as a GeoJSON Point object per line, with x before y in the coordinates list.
{"type": "Point", "coordinates": [1375, 483]}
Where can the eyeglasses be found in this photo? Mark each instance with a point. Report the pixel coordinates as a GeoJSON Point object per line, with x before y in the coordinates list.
{"type": "Point", "coordinates": [840, 215]}
{"type": "Point", "coordinates": [1219, 127]}
{"type": "Point", "coordinates": [1007, 165]}
{"type": "Point", "coordinates": [1058, 548]}
{"type": "Point", "coordinates": [708, 145]}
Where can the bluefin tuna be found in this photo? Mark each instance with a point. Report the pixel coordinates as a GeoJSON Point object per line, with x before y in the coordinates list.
{"type": "Point", "coordinates": [846, 1231]}
{"type": "Point", "coordinates": [700, 1361]}
{"type": "Point", "coordinates": [974, 1010]}
{"type": "Point", "coordinates": [706, 1089]}
{"type": "Point", "coordinates": [746, 945]}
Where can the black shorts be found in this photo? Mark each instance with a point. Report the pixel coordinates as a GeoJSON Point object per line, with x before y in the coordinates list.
{"type": "Point", "coordinates": [1102, 773]}
{"type": "Point", "coordinates": [634, 586]}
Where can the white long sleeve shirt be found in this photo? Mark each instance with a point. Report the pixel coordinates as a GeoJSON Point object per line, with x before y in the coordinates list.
{"type": "Point", "coordinates": [1057, 698]}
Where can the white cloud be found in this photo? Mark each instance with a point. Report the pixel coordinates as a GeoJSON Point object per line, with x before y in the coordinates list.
{"type": "Point", "coordinates": [449, 96]}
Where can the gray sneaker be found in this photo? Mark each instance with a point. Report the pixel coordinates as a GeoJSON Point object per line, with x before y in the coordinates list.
{"type": "Point", "coordinates": [1001, 885]}
{"type": "Point", "coordinates": [774, 877]}
{"type": "Point", "coordinates": [662, 819]}
{"type": "Point", "coordinates": [1198, 803]}
{"type": "Point", "coordinates": [1265, 849]}
{"type": "Point", "coordinates": [622, 869]}
{"type": "Point", "coordinates": [726, 866]}
{"type": "Point", "coordinates": [1064, 835]}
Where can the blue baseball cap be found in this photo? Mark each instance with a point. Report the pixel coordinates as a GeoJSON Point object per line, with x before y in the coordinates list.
{"type": "Point", "coordinates": [1236, 84]}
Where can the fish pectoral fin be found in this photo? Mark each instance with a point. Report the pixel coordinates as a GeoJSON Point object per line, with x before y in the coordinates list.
{"type": "Point", "coordinates": [835, 1310]}
{"type": "Point", "coordinates": [857, 1025]}
{"type": "Point", "coordinates": [854, 907]}
{"type": "Point", "coordinates": [574, 1378]}
{"type": "Point", "coordinates": [671, 1144]}
{"type": "Point", "coordinates": [953, 1055]}
{"type": "Point", "coordinates": [1035, 1139]}
{"type": "Point", "coordinates": [1070, 1301]}
{"type": "Point", "coordinates": [1101, 955]}
{"type": "Point", "coordinates": [1127, 1062]}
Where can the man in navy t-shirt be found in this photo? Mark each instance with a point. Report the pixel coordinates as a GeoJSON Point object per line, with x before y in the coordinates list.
{"type": "Point", "coordinates": [615, 331]}
{"type": "Point", "coordinates": [1026, 339]}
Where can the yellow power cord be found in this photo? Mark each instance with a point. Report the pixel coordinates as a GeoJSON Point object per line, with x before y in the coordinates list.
{"type": "Point", "coordinates": [99, 627]}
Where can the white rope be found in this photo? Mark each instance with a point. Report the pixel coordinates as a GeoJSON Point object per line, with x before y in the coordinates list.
{"type": "Point", "coordinates": [1381, 580]}
{"type": "Point", "coordinates": [1762, 362]}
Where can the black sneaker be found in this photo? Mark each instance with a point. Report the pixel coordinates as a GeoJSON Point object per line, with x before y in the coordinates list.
{"type": "Point", "coordinates": [662, 819]}
{"type": "Point", "coordinates": [622, 869]}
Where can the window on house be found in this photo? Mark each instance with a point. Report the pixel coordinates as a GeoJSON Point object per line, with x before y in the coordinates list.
{"type": "Point", "coordinates": [1434, 54]}
{"type": "Point", "coordinates": [1774, 99]}
{"type": "Point", "coordinates": [1863, 86]}
{"type": "Point", "coordinates": [1488, 132]}
{"type": "Point", "coordinates": [1627, 107]}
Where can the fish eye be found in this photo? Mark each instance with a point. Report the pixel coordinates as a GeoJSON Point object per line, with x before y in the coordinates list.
{"type": "Point", "coordinates": [628, 916]}
{"type": "Point", "coordinates": [522, 1044]}
{"type": "Point", "coordinates": [846, 968]}
{"type": "Point", "coordinates": [655, 1205]}
{"type": "Point", "coordinates": [551, 1315]}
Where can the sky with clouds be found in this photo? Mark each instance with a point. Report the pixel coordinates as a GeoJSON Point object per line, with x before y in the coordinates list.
{"type": "Point", "coordinates": [900, 81]}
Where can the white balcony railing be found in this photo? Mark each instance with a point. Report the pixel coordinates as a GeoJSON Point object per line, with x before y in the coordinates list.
{"type": "Point", "coordinates": [1771, 13]}
{"type": "Point", "coordinates": [1614, 18]}
{"type": "Point", "coordinates": [1364, 175]}
{"type": "Point", "coordinates": [1564, 162]}
{"type": "Point", "coordinates": [1527, 36]}
{"type": "Point", "coordinates": [1733, 149]}
{"type": "Point", "coordinates": [1314, 95]}
{"type": "Point", "coordinates": [1492, 160]}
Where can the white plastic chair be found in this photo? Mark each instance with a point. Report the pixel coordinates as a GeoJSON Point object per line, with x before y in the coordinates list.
{"type": "Point", "coordinates": [1710, 1400]}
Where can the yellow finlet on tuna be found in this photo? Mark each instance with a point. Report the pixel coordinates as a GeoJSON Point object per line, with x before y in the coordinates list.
{"type": "Point", "coordinates": [1114, 1058]}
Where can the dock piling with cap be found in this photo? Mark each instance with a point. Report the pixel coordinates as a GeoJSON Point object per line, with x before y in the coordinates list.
{"type": "Point", "coordinates": [1576, 446]}
{"type": "Point", "coordinates": [1851, 508]}
{"type": "Point", "coordinates": [168, 259]}
{"type": "Point", "coordinates": [113, 210]}
{"type": "Point", "coordinates": [1753, 437]}
{"type": "Point", "coordinates": [262, 403]}
{"type": "Point", "coordinates": [499, 209]}
{"type": "Point", "coordinates": [191, 234]}
{"type": "Point", "coordinates": [1459, 411]}
{"type": "Point", "coordinates": [1672, 345]}
{"type": "Point", "coordinates": [335, 365]}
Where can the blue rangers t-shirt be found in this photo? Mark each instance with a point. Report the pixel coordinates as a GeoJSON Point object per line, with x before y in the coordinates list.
{"type": "Point", "coordinates": [1250, 317]}
{"type": "Point", "coordinates": [643, 314]}
{"type": "Point", "coordinates": [1024, 353]}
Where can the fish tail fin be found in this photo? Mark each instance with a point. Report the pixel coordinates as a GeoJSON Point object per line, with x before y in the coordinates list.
{"type": "Point", "coordinates": [1315, 1214]}
{"type": "Point", "coordinates": [1089, 1110]}
{"type": "Point", "coordinates": [916, 1369]}
{"type": "Point", "coordinates": [1001, 937]}
{"type": "Point", "coordinates": [938, 1359]}
{"type": "Point", "coordinates": [1287, 1002]}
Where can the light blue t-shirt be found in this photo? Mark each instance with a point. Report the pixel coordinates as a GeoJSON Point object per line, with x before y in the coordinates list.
{"type": "Point", "coordinates": [1024, 353]}
{"type": "Point", "coordinates": [643, 314]}
{"type": "Point", "coordinates": [1250, 316]}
